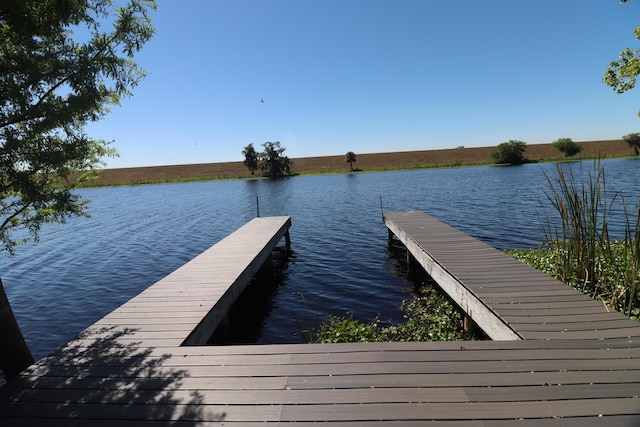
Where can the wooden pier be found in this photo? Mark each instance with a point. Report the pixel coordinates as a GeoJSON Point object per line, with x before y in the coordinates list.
{"type": "Point", "coordinates": [132, 368]}
{"type": "Point", "coordinates": [185, 307]}
{"type": "Point", "coordinates": [509, 300]}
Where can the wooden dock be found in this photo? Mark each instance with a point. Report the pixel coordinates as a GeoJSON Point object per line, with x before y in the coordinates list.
{"type": "Point", "coordinates": [185, 307]}
{"type": "Point", "coordinates": [132, 368]}
{"type": "Point", "coordinates": [508, 299]}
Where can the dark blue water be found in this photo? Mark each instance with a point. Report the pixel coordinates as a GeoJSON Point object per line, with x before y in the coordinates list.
{"type": "Point", "coordinates": [82, 270]}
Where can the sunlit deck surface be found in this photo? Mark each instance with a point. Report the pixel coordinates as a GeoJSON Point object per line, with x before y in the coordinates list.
{"type": "Point", "coordinates": [557, 367]}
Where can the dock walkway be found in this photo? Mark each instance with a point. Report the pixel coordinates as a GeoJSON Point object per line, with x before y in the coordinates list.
{"type": "Point", "coordinates": [185, 307]}
{"type": "Point", "coordinates": [506, 298]}
{"type": "Point", "coordinates": [116, 374]}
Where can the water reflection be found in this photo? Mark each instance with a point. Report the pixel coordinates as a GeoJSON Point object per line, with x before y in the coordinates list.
{"type": "Point", "coordinates": [404, 266]}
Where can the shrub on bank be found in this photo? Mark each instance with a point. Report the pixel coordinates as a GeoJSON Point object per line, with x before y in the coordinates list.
{"type": "Point", "coordinates": [567, 146]}
{"type": "Point", "coordinates": [511, 152]}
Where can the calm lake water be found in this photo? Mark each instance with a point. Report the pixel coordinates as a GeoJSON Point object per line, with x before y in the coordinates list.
{"type": "Point", "coordinates": [340, 260]}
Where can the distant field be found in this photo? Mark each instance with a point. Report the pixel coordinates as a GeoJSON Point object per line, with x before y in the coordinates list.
{"type": "Point", "coordinates": [337, 164]}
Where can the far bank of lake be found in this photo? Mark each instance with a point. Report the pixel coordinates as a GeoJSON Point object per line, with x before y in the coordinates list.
{"type": "Point", "coordinates": [366, 162]}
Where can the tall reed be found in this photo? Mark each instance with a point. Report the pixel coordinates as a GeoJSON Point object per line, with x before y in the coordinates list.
{"type": "Point", "coordinates": [583, 214]}
{"type": "Point", "coordinates": [586, 257]}
{"type": "Point", "coordinates": [631, 255]}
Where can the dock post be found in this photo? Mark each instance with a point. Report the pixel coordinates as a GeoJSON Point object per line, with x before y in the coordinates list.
{"type": "Point", "coordinates": [469, 326]}
{"type": "Point", "coordinates": [287, 239]}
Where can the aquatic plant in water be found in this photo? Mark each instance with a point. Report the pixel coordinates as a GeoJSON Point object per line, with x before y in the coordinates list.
{"type": "Point", "coordinates": [581, 253]}
{"type": "Point", "coordinates": [428, 316]}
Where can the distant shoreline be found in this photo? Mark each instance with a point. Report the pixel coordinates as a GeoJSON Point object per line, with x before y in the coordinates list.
{"type": "Point", "coordinates": [453, 157]}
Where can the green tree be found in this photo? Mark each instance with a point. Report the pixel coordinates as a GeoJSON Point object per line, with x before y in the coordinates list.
{"type": "Point", "coordinates": [511, 152]}
{"type": "Point", "coordinates": [350, 157]}
{"type": "Point", "coordinates": [250, 158]}
{"type": "Point", "coordinates": [622, 73]}
{"type": "Point", "coordinates": [62, 63]}
{"type": "Point", "coordinates": [274, 164]}
{"type": "Point", "coordinates": [633, 140]}
{"type": "Point", "coordinates": [567, 146]}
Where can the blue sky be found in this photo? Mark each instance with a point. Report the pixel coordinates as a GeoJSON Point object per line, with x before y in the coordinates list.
{"type": "Point", "coordinates": [331, 76]}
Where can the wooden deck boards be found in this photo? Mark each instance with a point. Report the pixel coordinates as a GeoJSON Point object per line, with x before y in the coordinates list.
{"type": "Point", "coordinates": [369, 382]}
{"type": "Point", "coordinates": [504, 290]}
{"type": "Point", "coordinates": [130, 368]}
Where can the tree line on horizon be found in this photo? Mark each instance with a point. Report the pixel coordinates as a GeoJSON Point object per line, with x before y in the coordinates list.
{"type": "Point", "coordinates": [274, 164]}
{"type": "Point", "coordinates": [512, 151]}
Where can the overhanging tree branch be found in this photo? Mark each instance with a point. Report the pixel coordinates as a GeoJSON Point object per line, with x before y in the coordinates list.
{"type": "Point", "coordinates": [50, 86]}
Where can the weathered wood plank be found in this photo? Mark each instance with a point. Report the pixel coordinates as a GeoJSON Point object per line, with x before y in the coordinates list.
{"type": "Point", "coordinates": [605, 421]}
{"type": "Point", "coordinates": [490, 379]}
{"type": "Point", "coordinates": [336, 412]}
{"type": "Point", "coordinates": [371, 395]}
{"type": "Point", "coordinates": [332, 369]}
{"type": "Point", "coordinates": [444, 411]}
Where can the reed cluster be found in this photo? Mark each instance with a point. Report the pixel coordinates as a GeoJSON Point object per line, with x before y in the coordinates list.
{"type": "Point", "coordinates": [579, 251]}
